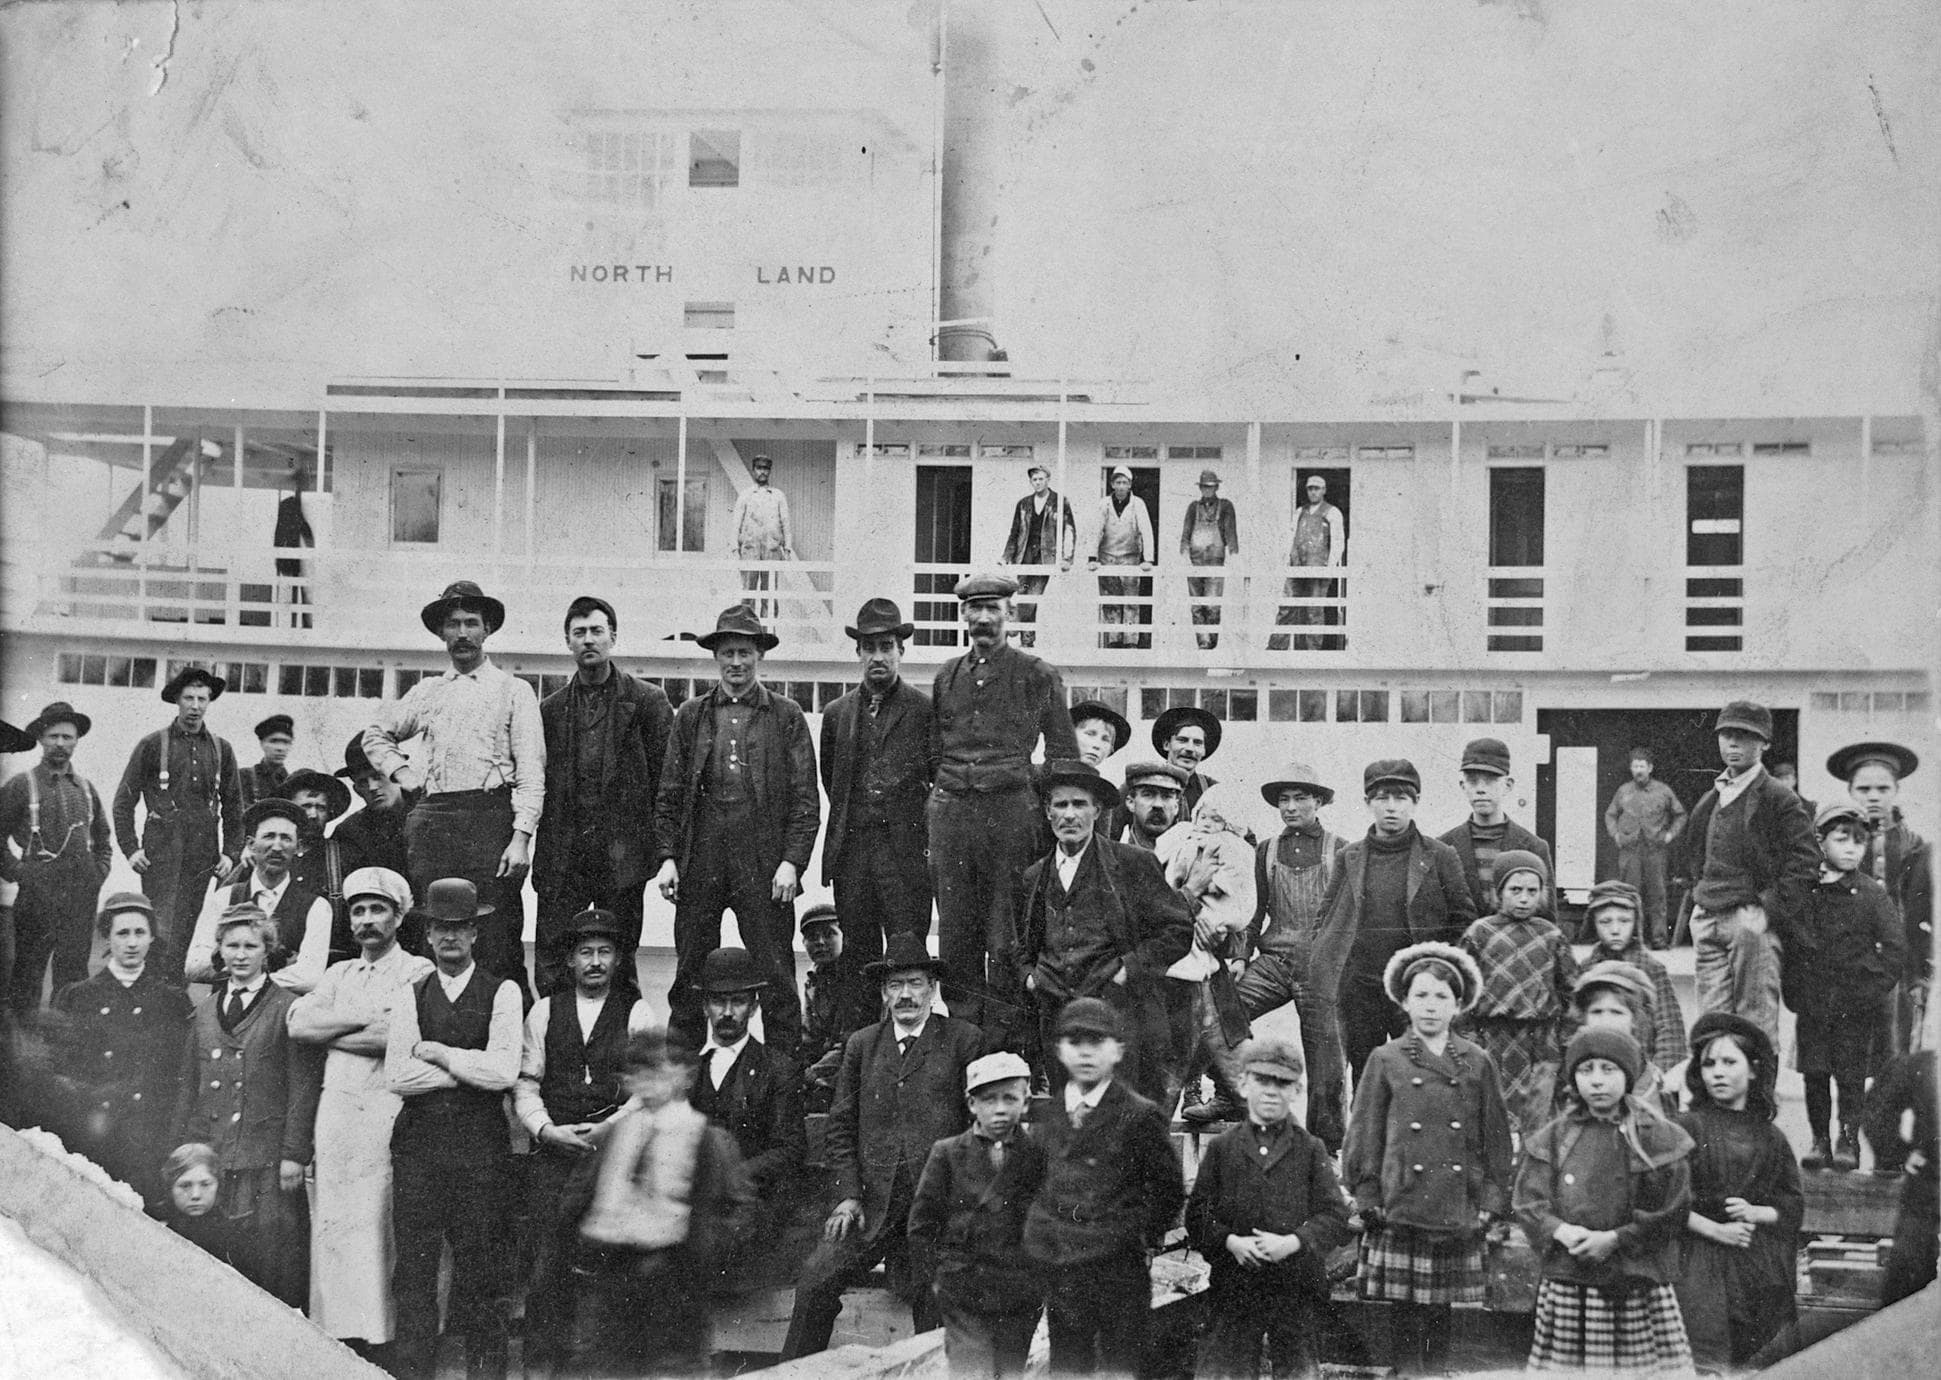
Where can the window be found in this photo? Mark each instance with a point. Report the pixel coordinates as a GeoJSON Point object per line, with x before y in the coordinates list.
{"type": "Point", "coordinates": [1201, 453]}
{"type": "Point", "coordinates": [708, 316]}
{"type": "Point", "coordinates": [1361, 706]}
{"type": "Point", "coordinates": [1386, 453]}
{"type": "Point", "coordinates": [246, 677]}
{"type": "Point", "coordinates": [1715, 501]}
{"type": "Point", "coordinates": [1111, 696]}
{"type": "Point", "coordinates": [1297, 706]}
{"type": "Point", "coordinates": [714, 158]}
{"type": "Point", "coordinates": [135, 673]}
{"type": "Point", "coordinates": [408, 677]}
{"type": "Point", "coordinates": [693, 534]}
{"type": "Point", "coordinates": [1516, 515]}
{"type": "Point", "coordinates": [628, 168]}
{"type": "Point", "coordinates": [1430, 706]}
{"type": "Point", "coordinates": [416, 497]}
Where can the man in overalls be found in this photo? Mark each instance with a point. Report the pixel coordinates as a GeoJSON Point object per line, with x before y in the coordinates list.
{"type": "Point", "coordinates": [1124, 538]}
{"type": "Point", "coordinates": [1211, 534]}
{"type": "Point", "coordinates": [186, 779]}
{"type": "Point", "coordinates": [55, 818]}
{"type": "Point", "coordinates": [1319, 539]}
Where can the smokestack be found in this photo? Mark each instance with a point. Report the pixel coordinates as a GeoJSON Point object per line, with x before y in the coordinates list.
{"type": "Point", "coordinates": [972, 63]}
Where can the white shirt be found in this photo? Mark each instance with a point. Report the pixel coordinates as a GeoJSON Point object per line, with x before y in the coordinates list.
{"type": "Point", "coordinates": [1067, 865]}
{"type": "Point", "coordinates": [718, 1068]}
{"type": "Point", "coordinates": [493, 1068]}
{"type": "Point", "coordinates": [267, 898]}
{"type": "Point", "coordinates": [1074, 1099]}
{"type": "Point", "coordinates": [1731, 787]}
{"type": "Point", "coordinates": [370, 990]}
{"type": "Point", "coordinates": [306, 966]}
{"type": "Point", "coordinates": [248, 991]}
{"type": "Point", "coordinates": [481, 730]}
{"type": "Point", "coordinates": [527, 1104]}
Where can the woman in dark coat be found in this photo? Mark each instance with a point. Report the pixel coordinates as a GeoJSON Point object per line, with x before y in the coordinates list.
{"type": "Point", "coordinates": [1741, 1239]}
{"type": "Point", "coordinates": [123, 1037]}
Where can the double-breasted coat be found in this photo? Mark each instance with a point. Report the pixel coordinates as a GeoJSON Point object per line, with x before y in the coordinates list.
{"type": "Point", "coordinates": [250, 1092]}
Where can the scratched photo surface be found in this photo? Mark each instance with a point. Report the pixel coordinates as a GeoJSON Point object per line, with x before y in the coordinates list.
{"type": "Point", "coordinates": [1374, 378]}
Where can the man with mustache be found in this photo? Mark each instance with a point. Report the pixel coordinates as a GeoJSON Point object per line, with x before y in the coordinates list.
{"type": "Point", "coordinates": [323, 860]}
{"type": "Point", "coordinates": [876, 770]}
{"type": "Point", "coordinates": [479, 778]}
{"type": "Point", "coordinates": [897, 1094]}
{"type": "Point", "coordinates": [186, 780]}
{"type": "Point", "coordinates": [54, 817]}
{"type": "Point", "coordinates": [348, 1017]}
{"type": "Point", "coordinates": [740, 1084]}
{"type": "Point", "coordinates": [299, 918]}
{"type": "Point", "coordinates": [569, 1082]}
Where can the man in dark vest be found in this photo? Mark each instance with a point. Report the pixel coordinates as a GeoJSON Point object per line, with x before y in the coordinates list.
{"type": "Point", "coordinates": [186, 780]}
{"type": "Point", "coordinates": [1043, 532]}
{"type": "Point", "coordinates": [876, 770]}
{"type": "Point", "coordinates": [606, 733]}
{"type": "Point", "coordinates": [264, 781]}
{"type": "Point", "coordinates": [569, 1082]}
{"type": "Point", "coordinates": [740, 1084]}
{"type": "Point", "coordinates": [324, 860]}
{"type": "Point", "coordinates": [301, 918]}
{"type": "Point", "coordinates": [453, 1052]}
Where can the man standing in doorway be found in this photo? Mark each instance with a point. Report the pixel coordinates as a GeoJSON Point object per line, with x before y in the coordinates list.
{"type": "Point", "coordinates": [481, 770]}
{"type": "Point", "coordinates": [1320, 538]}
{"type": "Point", "coordinates": [989, 709]}
{"type": "Point", "coordinates": [1211, 534]}
{"type": "Point", "coordinates": [876, 770]}
{"type": "Point", "coordinates": [1125, 537]}
{"type": "Point", "coordinates": [186, 779]}
{"type": "Point", "coordinates": [1043, 531]}
{"type": "Point", "coordinates": [606, 735]}
{"type": "Point", "coordinates": [762, 532]}
{"type": "Point", "coordinates": [1644, 818]}
{"type": "Point", "coordinates": [734, 823]}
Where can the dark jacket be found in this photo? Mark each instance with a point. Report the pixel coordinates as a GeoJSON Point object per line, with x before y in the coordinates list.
{"type": "Point", "coordinates": [1908, 1086]}
{"type": "Point", "coordinates": [973, 1219]}
{"type": "Point", "coordinates": [1440, 906]}
{"type": "Point", "coordinates": [1634, 1180]}
{"type": "Point", "coordinates": [250, 1092]}
{"type": "Point", "coordinates": [981, 740]}
{"type": "Point", "coordinates": [781, 774]}
{"type": "Point", "coordinates": [1782, 856]}
{"type": "Point", "coordinates": [903, 723]}
{"type": "Point", "coordinates": [1112, 1186]}
{"type": "Point", "coordinates": [756, 1105]}
{"type": "Point", "coordinates": [1291, 1188]}
{"type": "Point", "coordinates": [629, 779]}
{"type": "Point", "coordinates": [1429, 1139]}
{"type": "Point", "coordinates": [1844, 953]}
{"type": "Point", "coordinates": [889, 1109]}
{"type": "Point", "coordinates": [1911, 883]}
{"type": "Point", "coordinates": [837, 1001]}
{"type": "Point", "coordinates": [1029, 528]}
{"type": "Point", "coordinates": [123, 1063]}
{"type": "Point", "coordinates": [1514, 836]}
{"type": "Point", "coordinates": [1123, 889]}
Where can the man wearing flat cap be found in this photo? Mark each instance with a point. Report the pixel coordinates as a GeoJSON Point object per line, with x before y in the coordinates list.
{"type": "Point", "coordinates": [570, 1068]}
{"type": "Point", "coordinates": [876, 770]}
{"type": "Point", "coordinates": [185, 779]}
{"type": "Point", "coordinates": [1754, 863]}
{"type": "Point", "coordinates": [1644, 819]}
{"type": "Point", "coordinates": [1210, 535]}
{"type": "Point", "coordinates": [1150, 803]}
{"type": "Point", "coordinates": [53, 816]}
{"type": "Point", "coordinates": [1124, 537]}
{"type": "Point", "coordinates": [264, 781]}
{"type": "Point", "coordinates": [300, 919]}
{"type": "Point", "coordinates": [990, 708]}
{"type": "Point", "coordinates": [898, 1092]}
{"type": "Point", "coordinates": [606, 737]}
{"type": "Point", "coordinates": [480, 771]}
{"type": "Point", "coordinates": [1096, 919]}
{"type": "Point", "coordinates": [838, 999]}
{"type": "Point", "coordinates": [734, 823]}
{"type": "Point", "coordinates": [1043, 532]}
{"type": "Point", "coordinates": [1486, 783]}
{"type": "Point", "coordinates": [1897, 858]}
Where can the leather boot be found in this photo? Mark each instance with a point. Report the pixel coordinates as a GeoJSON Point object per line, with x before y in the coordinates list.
{"type": "Point", "coordinates": [1817, 1157]}
{"type": "Point", "coordinates": [1846, 1155]}
{"type": "Point", "coordinates": [1224, 1105]}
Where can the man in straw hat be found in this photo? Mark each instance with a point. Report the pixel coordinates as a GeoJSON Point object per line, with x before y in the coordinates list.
{"type": "Point", "coordinates": [53, 815]}
{"type": "Point", "coordinates": [899, 1091]}
{"type": "Point", "coordinates": [1897, 858]}
{"type": "Point", "coordinates": [734, 824]}
{"type": "Point", "coordinates": [990, 708]}
{"type": "Point", "coordinates": [876, 770]}
{"type": "Point", "coordinates": [186, 780]}
{"type": "Point", "coordinates": [1210, 535]}
{"type": "Point", "coordinates": [480, 770]}
{"type": "Point", "coordinates": [1043, 532]}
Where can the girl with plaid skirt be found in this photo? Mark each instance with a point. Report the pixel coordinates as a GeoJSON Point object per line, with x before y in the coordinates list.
{"type": "Point", "coordinates": [1427, 1156]}
{"type": "Point", "coordinates": [1603, 1194]}
{"type": "Point", "coordinates": [1522, 1016]}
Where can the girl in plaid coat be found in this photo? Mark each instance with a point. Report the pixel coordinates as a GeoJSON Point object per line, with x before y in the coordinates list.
{"type": "Point", "coordinates": [1427, 1156]}
{"type": "Point", "coordinates": [1522, 1017]}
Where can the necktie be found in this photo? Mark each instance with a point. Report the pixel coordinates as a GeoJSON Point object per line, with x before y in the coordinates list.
{"type": "Point", "coordinates": [875, 703]}
{"type": "Point", "coordinates": [903, 1046]}
{"type": "Point", "coordinates": [997, 1155]}
{"type": "Point", "coordinates": [1079, 1114]}
{"type": "Point", "coordinates": [707, 1067]}
{"type": "Point", "coordinates": [235, 1012]}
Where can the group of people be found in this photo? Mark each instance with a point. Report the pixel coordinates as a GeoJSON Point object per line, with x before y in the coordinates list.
{"type": "Point", "coordinates": [322, 1025]}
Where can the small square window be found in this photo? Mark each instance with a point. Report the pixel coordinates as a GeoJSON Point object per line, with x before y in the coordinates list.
{"type": "Point", "coordinates": [1283, 706]}
{"type": "Point", "coordinates": [1918, 701]}
{"type": "Point", "coordinates": [1824, 699]}
{"type": "Point", "coordinates": [1181, 697]}
{"type": "Point", "coordinates": [142, 673]}
{"type": "Point", "coordinates": [1152, 701]}
{"type": "Point", "coordinates": [69, 668]}
{"type": "Point", "coordinates": [1445, 706]}
{"type": "Point", "coordinates": [1509, 706]}
{"type": "Point", "coordinates": [316, 680]}
{"type": "Point", "coordinates": [119, 670]}
{"type": "Point", "coordinates": [1314, 706]}
{"type": "Point", "coordinates": [1853, 702]}
{"type": "Point", "coordinates": [714, 158]}
{"type": "Point", "coordinates": [1888, 701]}
{"type": "Point", "coordinates": [1214, 702]}
{"type": "Point", "coordinates": [1414, 706]}
{"type": "Point", "coordinates": [94, 670]}
{"type": "Point", "coordinates": [1243, 706]}
{"type": "Point", "coordinates": [370, 683]}
{"type": "Point", "coordinates": [1476, 707]}
{"type": "Point", "coordinates": [1347, 706]}
{"type": "Point", "coordinates": [1374, 706]}
{"type": "Point", "coordinates": [289, 680]}
{"type": "Point", "coordinates": [343, 681]}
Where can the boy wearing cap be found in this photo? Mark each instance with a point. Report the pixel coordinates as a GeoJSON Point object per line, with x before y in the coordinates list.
{"type": "Point", "coordinates": [1265, 1211]}
{"type": "Point", "coordinates": [1898, 859]}
{"type": "Point", "coordinates": [969, 1213]}
{"type": "Point", "coordinates": [1614, 911]}
{"type": "Point", "coordinates": [1521, 1016]}
{"type": "Point", "coordinates": [1644, 819]}
{"type": "Point", "coordinates": [1043, 532]}
{"type": "Point", "coordinates": [264, 781]}
{"type": "Point", "coordinates": [1111, 1191]}
{"type": "Point", "coordinates": [838, 999]}
{"type": "Point", "coordinates": [1486, 784]}
{"type": "Point", "coordinates": [1754, 860]}
{"type": "Point", "coordinates": [53, 815]}
{"type": "Point", "coordinates": [301, 920]}
{"type": "Point", "coordinates": [1844, 957]}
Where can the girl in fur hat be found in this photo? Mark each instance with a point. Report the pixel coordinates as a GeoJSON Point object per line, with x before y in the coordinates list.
{"type": "Point", "coordinates": [1427, 1156]}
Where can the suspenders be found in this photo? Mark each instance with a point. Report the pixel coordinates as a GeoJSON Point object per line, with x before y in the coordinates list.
{"type": "Point", "coordinates": [34, 844]}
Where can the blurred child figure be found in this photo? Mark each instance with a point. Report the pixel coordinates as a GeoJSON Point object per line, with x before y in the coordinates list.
{"type": "Point", "coordinates": [1603, 1194]}
{"type": "Point", "coordinates": [1901, 1126]}
{"type": "Point", "coordinates": [1617, 996]}
{"type": "Point", "coordinates": [969, 1210]}
{"type": "Point", "coordinates": [192, 1184]}
{"type": "Point", "coordinates": [1845, 958]}
{"type": "Point", "coordinates": [1266, 1209]}
{"type": "Point", "coordinates": [1614, 911]}
{"type": "Point", "coordinates": [1213, 844]}
{"type": "Point", "coordinates": [1736, 1284]}
{"type": "Point", "coordinates": [1522, 1016]}
{"type": "Point", "coordinates": [1427, 1156]}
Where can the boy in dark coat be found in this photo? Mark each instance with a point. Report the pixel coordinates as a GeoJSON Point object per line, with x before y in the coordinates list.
{"type": "Point", "coordinates": [1486, 783]}
{"type": "Point", "coordinates": [969, 1213]}
{"type": "Point", "coordinates": [1266, 1210]}
{"type": "Point", "coordinates": [1112, 1187]}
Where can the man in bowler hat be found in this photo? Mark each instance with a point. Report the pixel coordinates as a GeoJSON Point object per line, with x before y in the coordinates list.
{"type": "Point", "coordinates": [740, 1084]}
{"type": "Point", "coordinates": [53, 815]}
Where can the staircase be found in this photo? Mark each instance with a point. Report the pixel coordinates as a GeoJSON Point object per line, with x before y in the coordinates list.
{"type": "Point", "coordinates": [169, 480]}
{"type": "Point", "coordinates": [143, 514]}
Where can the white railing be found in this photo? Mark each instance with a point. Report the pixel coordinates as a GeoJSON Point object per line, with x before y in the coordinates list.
{"type": "Point", "coordinates": [1515, 608]}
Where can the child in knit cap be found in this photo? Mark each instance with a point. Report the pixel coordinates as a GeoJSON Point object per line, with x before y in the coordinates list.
{"type": "Point", "coordinates": [1615, 910]}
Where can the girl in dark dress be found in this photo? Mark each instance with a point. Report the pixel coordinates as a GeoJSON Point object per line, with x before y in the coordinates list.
{"type": "Point", "coordinates": [1743, 1231]}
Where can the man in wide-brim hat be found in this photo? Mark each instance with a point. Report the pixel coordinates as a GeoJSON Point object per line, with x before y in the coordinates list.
{"type": "Point", "coordinates": [1897, 858]}
{"type": "Point", "coordinates": [734, 824]}
{"type": "Point", "coordinates": [1211, 534]}
{"type": "Point", "coordinates": [53, 816]}
{"type": "Point", "coordinates": [186, 780]}
{"type": "Point", "coordinates": [876, 769]}
{"type": "Point", "coordinates": [300, 916]}
{"type": "Point", "coordinates": [324, 859]}
{"type": "Point", "coordinates": [1186, 736]}
{"type": "Point", "coordinates": [478, 776]}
